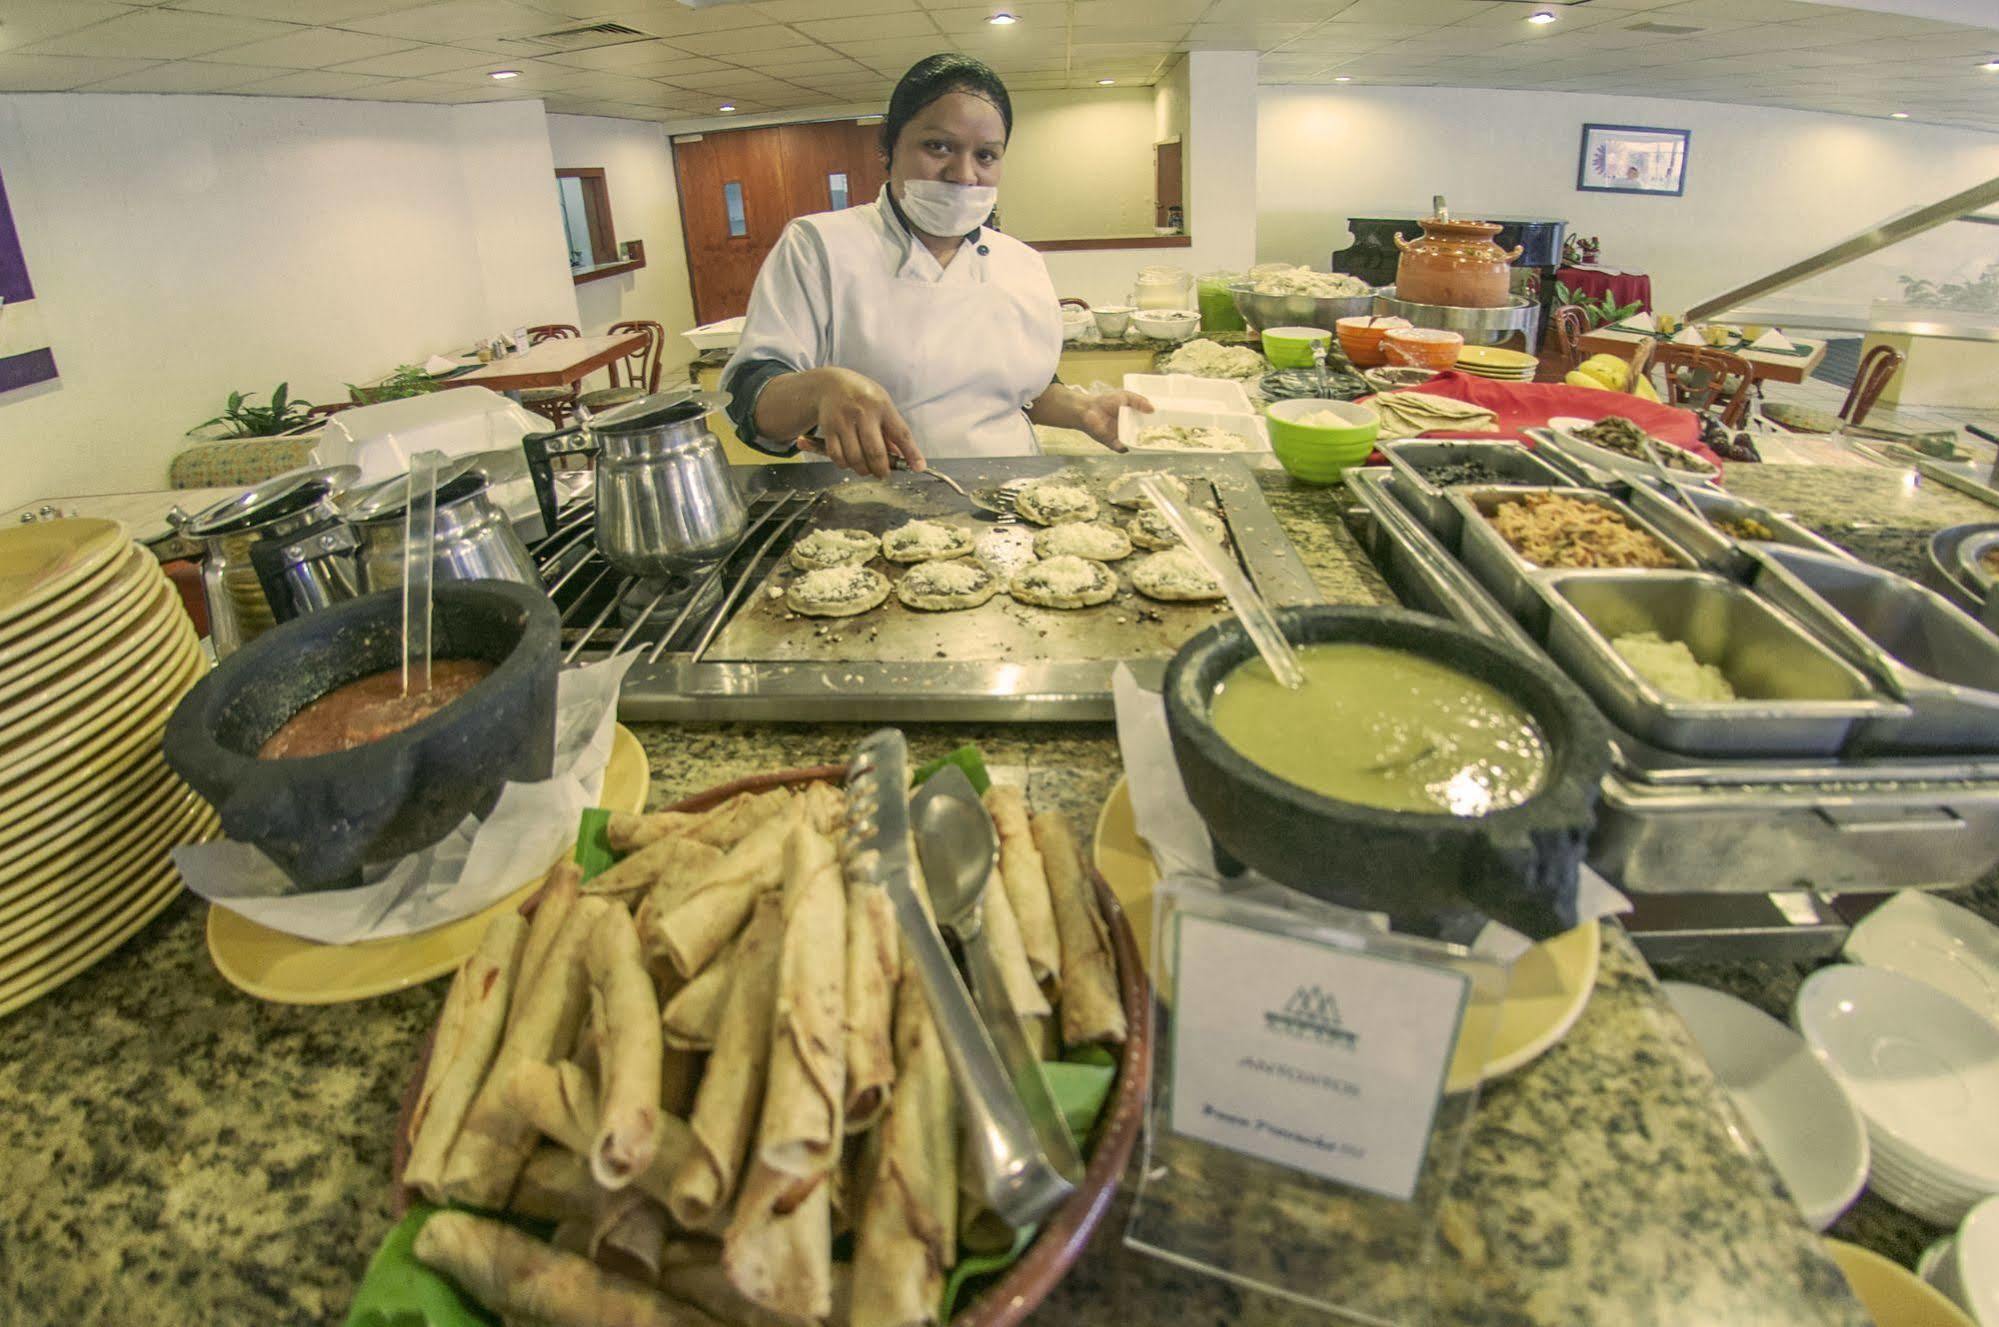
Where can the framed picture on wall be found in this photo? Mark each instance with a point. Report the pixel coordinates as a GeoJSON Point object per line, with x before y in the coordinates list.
{"type": "Point", "coordinates": [1629, 158]}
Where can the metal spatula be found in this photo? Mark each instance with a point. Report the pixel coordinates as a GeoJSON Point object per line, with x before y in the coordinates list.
{"type": "Point", "coordinates": [1257, 619]}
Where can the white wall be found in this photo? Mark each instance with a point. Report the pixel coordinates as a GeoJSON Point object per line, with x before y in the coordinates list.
{"type": "Point", "coordinates": [184, 246]}
{"type": "Point", "coordinates": [1765, 187]}
{"type": "Point", "coordinates": [645, 206]}
{"type": "Point", "coordinates": [1080, 165]}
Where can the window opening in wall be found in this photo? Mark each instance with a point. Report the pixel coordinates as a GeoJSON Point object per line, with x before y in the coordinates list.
{"type": "Point", "coordinates": [732, 201]}
{"type": "Point", "coordinates": [836, 189]}
{"type": "Point", "coordinates": [575, 220]}
{"type": "Point", "coordinates": [588, 235]}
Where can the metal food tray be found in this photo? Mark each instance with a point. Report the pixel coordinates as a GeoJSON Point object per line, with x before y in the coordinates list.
{"type": "Point", "coordinates": [1941, 663]}
{"type": "Point", "coordinates": [1511, 577]}
{"type": "Point", "coordinates": [1676, 824]}
{"type": "Point", "coordinates": [1795, 696]}
{"type": "Point", "coordinates": [1003, 661]}
{"type": "Point", "coordinates": [1513, 463]}
{"type": "Point", "coordinates": [1717, 548]}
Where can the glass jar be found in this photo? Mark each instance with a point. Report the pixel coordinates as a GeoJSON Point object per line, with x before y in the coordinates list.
{"type": "Point", "coordinates": [1163, 288]}
{"type": "Point", "coordinates": [1217, 302]}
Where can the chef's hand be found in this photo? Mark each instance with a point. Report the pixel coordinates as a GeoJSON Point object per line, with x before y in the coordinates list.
{"type": "Point", "coordinates": [858, 427]}
{"type": "Point", "coordinates": [1099, 415]}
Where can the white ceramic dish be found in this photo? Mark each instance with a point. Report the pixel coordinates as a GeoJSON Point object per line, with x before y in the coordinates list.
{"type": "Point", "coordinates": [1167, 324]}
{"type": "Point", "coordinates": [723, 335]}
{"type": "Point", "coordinates": [1965, 1266]}
{"type": "Point", "coordinates": [1112, 319]}
{"type": "Point", "coordinates": [1797, 1110]}
{"type": "Point", "coordinates": [1922, 1069]}
{"type": "Point", "coordinates": [1185, 391]}
{"type": "Point", "coordinates": [1935, 941]}
{"type": "Point", "coordinates": [1130, 423]}
{"type": "Point", "coordinates": [1076, 322]}
{"type": "Point", "coordinates": [1565, 427]}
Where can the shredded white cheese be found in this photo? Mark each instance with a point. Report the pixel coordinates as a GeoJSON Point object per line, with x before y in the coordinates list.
{"type": "Point", "coordinates": [1209, 359]}
{"type": "Point", "coordinates": [1196, 438]}
{"type": "Point", "coordinates": [948, 577]}
{"type": "Point", "coordinates": [1065, 575]}
{"type": "Point", "coordinates": [928, 538]}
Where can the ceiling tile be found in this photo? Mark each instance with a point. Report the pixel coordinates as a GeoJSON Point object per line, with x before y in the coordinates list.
{"type": "Point", "coordinates": [1431, 12]}
{"type": "Point", "coordinates": [416, 62]}
{"type": "Point", "coordinates": [626, 55]}
{"type": "Point", "coordinates": [310, 83]}
{"type": "Point", "coordinates": [406, 89]}
{"type": "Point", "coordinates": [745, 41]}
{"type": "Point", "coordinates": [791, 11]}
{"type": "Point", "coordinates": [1098, 13]}
{"type": "Point", "coordinates": [313, 48]}
{"type": "Point", "coordinates": [889, 26]}
{"type": "Point", "coordinates": [452, 19]}
{"type": "Point", "coordinates": [1036, 17]}
{"type": "Point", "coordinates": [160, 34]}
{"type": "Point", "coordinates": [59, 73]}
{"type": "Point", "coordinates": [184, 76]}
{"type": "Point", "coordinates": [899, 52]}
{"type": "Point", "coordinates": [24, 22]}
{"type": "Point", "coordinates": [293, 11]}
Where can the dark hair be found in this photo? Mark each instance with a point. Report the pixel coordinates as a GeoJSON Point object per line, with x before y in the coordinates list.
{"type": "Point", "coordinates": [936, 76]}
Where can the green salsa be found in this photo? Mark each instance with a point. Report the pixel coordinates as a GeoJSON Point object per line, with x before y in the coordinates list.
{"type": "Point", "coordinates": [1384, 728]}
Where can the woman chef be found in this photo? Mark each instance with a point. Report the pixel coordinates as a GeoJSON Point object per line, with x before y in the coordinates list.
{"type": "Point", "coordinates": [905, 326]}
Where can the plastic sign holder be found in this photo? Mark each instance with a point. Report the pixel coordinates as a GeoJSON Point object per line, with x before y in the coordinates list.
{"type": "Point", "coordinates": [1313, 1083]}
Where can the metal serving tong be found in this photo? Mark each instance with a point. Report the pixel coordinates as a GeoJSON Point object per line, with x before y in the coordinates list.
{"type": "Point", "coordinates": [1020, 1184]}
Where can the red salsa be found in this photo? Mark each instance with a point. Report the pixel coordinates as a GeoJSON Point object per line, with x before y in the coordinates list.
{"type": "Point", "coordinates": [370, 709]}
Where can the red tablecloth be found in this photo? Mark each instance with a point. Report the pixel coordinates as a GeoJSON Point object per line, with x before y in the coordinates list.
{"type": "Point", "coordinates": [1525, 405]}
{"type": "Point", "coordinates": [1624, 287]}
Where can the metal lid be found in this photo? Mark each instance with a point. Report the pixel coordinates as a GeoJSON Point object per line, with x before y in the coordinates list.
{"type": "Point", "coordinates": [457, 479]}
{"type": "Point", "coordinates": [275, 498]}
{"type": "Point", "coordinates": [659, 410]}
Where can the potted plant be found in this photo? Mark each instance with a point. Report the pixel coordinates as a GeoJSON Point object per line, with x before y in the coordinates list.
{"type": "Point", "coordinates": [242, 418]}
{"type": "Point", "coordinates": [407, 380]}
{"type": "Point", "coordinates": [1597, 312]}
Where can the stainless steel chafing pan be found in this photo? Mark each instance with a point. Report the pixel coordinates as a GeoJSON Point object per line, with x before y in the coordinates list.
{"type": "Point", "coordinates": [1411, 458]}
{"type": "Point", "coordinates": [1794, 696]}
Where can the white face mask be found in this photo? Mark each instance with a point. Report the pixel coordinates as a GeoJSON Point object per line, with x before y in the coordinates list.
{"type": "Point", "coordinates": [938, 208]}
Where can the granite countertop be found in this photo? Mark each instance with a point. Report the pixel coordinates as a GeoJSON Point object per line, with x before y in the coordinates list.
{"type": "Point", "coordinates": [182, 1152]}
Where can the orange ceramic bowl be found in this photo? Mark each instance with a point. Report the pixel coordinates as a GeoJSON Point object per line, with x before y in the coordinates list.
{"type": "Point", "coordinates": [1422, 347]}
{"type": "Point", "coordinates": [1360, 337]}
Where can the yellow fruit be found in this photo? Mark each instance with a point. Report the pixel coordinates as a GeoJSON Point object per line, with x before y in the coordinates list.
{"type": "Point", "coordinates": [1646, 392]}
{"type": "Point", "coordinates": [1577, 378]}
{"type": "Point", "coordinates": [1608, 370]}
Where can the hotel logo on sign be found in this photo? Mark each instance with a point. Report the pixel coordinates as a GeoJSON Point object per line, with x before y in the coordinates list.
{"type": "Point", "coordinates": [1311, 1015]}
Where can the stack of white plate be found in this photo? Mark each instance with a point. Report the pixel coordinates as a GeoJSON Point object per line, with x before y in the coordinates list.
{"type": "Point", "coordinates": [1497, 363]}
{"type": "Point", "coordinates": [1935, 941]}
{"type": "Point", "coordinates": [1923, 1070]}
{"type": "Point", "coordinates": [95, 651]}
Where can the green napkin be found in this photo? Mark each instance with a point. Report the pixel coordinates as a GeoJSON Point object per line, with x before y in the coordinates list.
{"type": "Point", "coordinates": [399, 1291]}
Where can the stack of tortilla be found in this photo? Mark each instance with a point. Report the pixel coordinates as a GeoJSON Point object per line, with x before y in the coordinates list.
{"type": "Point", "coordinates": [708, 1066]}
{"type": "Point", "coordinates": [1412, 414]}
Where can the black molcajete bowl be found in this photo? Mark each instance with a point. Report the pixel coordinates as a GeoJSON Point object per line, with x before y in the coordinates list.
{"type": "Point", "coordinates": [321, 818]}
{"type": "Point", "coordinates": [1427, 871]}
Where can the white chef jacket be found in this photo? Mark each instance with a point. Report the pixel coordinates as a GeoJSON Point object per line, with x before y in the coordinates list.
{"type": "Point", "coordinates": [961, 350]}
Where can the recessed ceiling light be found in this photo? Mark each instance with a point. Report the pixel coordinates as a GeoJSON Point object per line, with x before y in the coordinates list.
{"type": "Point", "coordinates": [1106, 82]}
{"type": "Point", "coordinates": [1542, 16]}
{"type": "Point", "coordinates": [1342, 78]}
{"type": "Point", "coordinates": [1002, 19]}
{"type": "Point", "coordinates": [505, 73]}
{"type": "Point", "coordinates": [1990, 64]}
{"type": "Point", "coordinates": [726, 106]}
{"type": "Point", "coordinates": [1898, 115]}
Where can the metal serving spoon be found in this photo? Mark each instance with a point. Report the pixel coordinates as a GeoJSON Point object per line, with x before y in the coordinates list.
{"type": "Point", "coordinates": [954, 837]}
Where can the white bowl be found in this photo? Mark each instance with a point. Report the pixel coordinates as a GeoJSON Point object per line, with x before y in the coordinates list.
{"type": "Point", "coordinates": [1797, 1110]}
{"type": "Point", "coordinates": [1112, 319]}
{"type": "Point", "coordinates": [1167, 324]}
{"type": "Point", "coordinates": [1936, 942]}
{"type": "Point", "coordinates": [1967, 1267]}
{"type": "Point", "coordinates": [1075, 322]}
{"type": "Point", "coordinates": [1922, 1069]}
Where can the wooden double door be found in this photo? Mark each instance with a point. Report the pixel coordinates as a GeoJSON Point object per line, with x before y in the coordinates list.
{"type": "Point", "coordinates": [739, 188]}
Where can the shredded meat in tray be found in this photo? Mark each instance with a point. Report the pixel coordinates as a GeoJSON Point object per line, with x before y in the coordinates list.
{"type": "Point", "coordinates": [1550, 530]}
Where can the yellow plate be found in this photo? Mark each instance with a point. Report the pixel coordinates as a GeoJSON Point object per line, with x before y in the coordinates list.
{"type": "Point", "coordinates": [78, 820]}
{"type": "Point", "coordinates": [95, 938]}
{"type": "Point", "coordinates": [35, 892]}
{"type": "Point", "coordinates": [120, 664]}
{"type": "Point", "coordinates": [99, 605]}
{"type": "Point", "coordinates": [1495, 358]}
{"type": "Point", "coordinates": [41, 560]}
{"type": "Point", "coordinates": [164, 675]}
{"type": "Point", "coordinates": [1892, 1295]}
{"type": "Point", "coordinates": [113, 874]}
{"type": "Point", "coordinates": [1551, 982]}
{"type": "Point", "coordinates": [288, 970]}
{"type": "Point", "coordinates": [129, 741]}
{"type": "Point", "coordinates": [52, 613]}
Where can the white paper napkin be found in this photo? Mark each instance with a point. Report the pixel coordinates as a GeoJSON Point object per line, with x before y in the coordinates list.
{"type": "Point", "coordinates": [1643, 322]}
{"type": "Point", "coordinates": [1687, 336]}
{"type": "Point", "coordinates": [437, 364]}
{"type": "Point", "coordinates": [472, 868]}
{"type": "Point", "coordinates": [1772, 340]}
{"type": "Point", "coordinates": [1180, 844]}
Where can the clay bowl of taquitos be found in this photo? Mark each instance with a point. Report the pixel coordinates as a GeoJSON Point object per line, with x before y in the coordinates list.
{"type": "Point", "coordinates": [1426, 869]}
{"type": "Point", "coordinates": [1066, 1233]}
{"type": "Point", "coordinates": [321, 817]}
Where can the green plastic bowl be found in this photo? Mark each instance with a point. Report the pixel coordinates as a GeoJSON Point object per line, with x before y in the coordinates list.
{"type": "Point", "coordinates": [1291, 347]}
{"type": "Point", "coordinates": [1315, 454]}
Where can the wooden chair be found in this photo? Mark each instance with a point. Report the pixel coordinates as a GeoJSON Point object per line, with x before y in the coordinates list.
{"type": "Point", "coordinates": [641, 368]}
{"type": "Point", "coordinates": [1706, 381]}
{"type": "Point", "coordinates": [552, 403]}
{"type": "Point", "coordinates": [1563, 351]}
{"type": "Point", "coordinates": [1877, 367]}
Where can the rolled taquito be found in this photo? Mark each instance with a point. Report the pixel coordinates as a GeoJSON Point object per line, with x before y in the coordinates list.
{"type": "Point", "coordinates": [1092, 1006]}
{"type": "Point", "coordinates": [555, 1185]}
{"type": "Point", "coordinates": [799, 1133]}
{"type": "Point", "coordinates": [558, 896]}
{"type": "Point", "coordinates": [874, 961]}
{"type": "Point", "coordinates": [560, 1100]}
{"type": "Point", "coordinates": [463, 1050]}
{"type": "Point", "coordinates": [689, 1020]}
{"type": "Point", "coordinates": [723, 826]}
{"type": "Point", "coordinates": [1002, 930]}
{"type": "Point", "coordinates": [626, 1013]}
{"type": "Point", "coordinates": [1026, 880]}
{"type": "Point", "coordinates": [495, 1140]}
{"type": "Point", "coordinates": [669, 859]}
{"type": "Point", "coordinates": [711, 910]}
{"type": "Point", "coordinates": [730, 1098]}
{"type": "Point", "coordinates": [511, 1273]}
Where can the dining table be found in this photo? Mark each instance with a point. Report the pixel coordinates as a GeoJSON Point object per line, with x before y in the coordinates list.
{"type": "Point", "coordinates": [562, 361]}
{"type": "Point", "coordinates": [1765, 366]}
